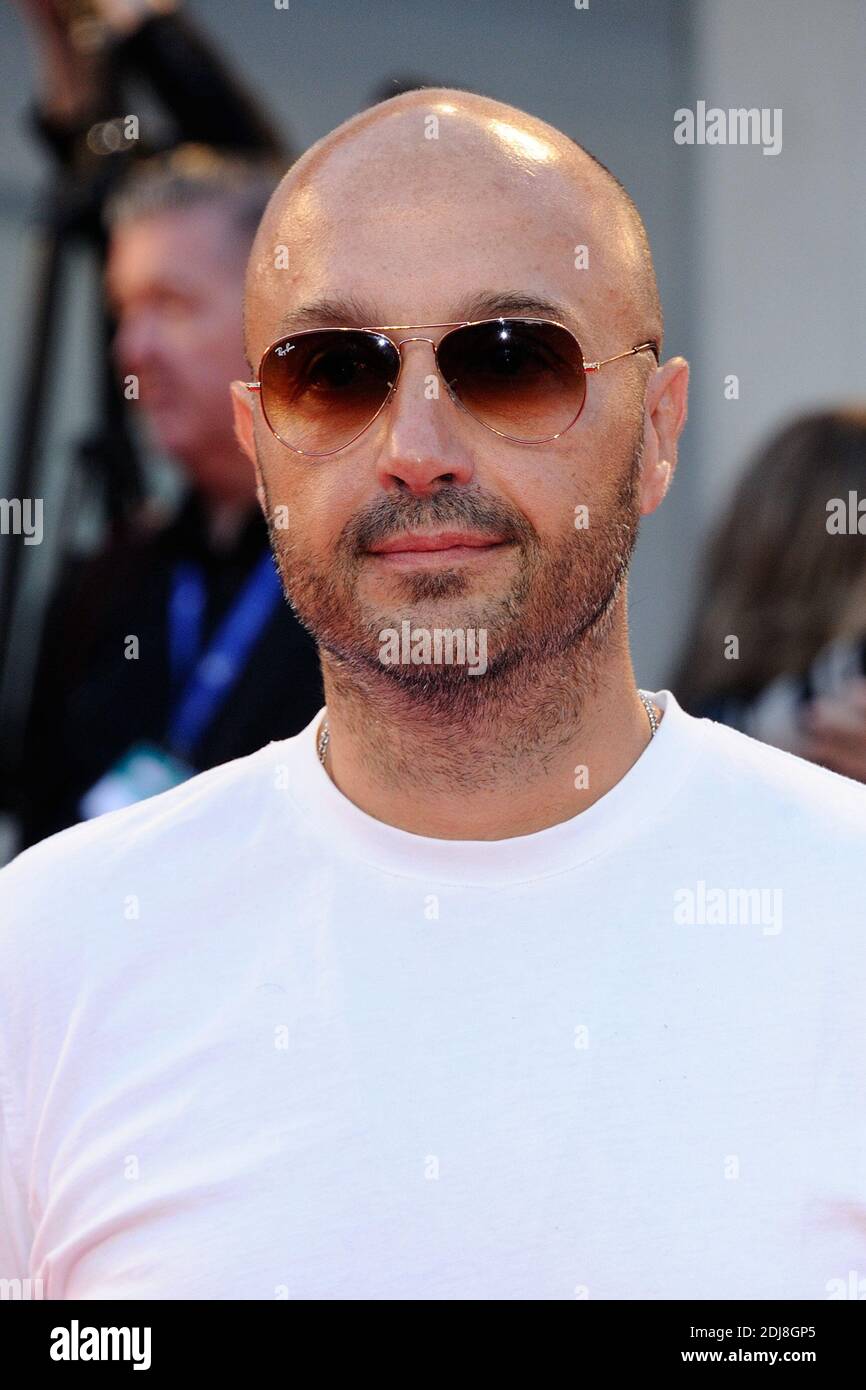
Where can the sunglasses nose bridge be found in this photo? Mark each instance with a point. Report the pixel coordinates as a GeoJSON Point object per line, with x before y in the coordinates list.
{"type": "Point", "coordinates": [416, 339]}
{"type": "Point", "coordinates": [403, 341]}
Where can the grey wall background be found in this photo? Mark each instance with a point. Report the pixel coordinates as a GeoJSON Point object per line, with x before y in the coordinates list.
{"type": "Point", "coordinates": [760, 259]}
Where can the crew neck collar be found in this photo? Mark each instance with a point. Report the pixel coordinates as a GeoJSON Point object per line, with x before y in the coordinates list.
{"type": "Point", "coordinates": [652, 781]}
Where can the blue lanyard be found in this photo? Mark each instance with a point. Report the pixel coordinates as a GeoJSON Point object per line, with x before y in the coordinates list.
{"type": "Point", "coordinates": [204, 679]}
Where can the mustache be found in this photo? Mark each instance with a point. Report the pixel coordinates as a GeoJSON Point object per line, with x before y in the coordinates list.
{"type": "Point", "coordinates": [452, 507]}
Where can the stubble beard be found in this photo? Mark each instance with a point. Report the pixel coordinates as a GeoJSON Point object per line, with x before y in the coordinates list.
{"type": "Point", "coordinates": [548, 629]}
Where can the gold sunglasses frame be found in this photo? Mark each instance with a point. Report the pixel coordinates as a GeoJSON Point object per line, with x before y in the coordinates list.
{"type": "Point", "coordinates": [588, 368]}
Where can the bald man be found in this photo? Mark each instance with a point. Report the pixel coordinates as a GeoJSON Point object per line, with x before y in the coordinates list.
{"type": "Point", "coordinates": [504, 979]}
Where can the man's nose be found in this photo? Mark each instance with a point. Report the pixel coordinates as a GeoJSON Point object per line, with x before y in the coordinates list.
{"type": "Point", "coordinates": [135, 343]}
{"type": "Point", "coordinates": [423, 448]}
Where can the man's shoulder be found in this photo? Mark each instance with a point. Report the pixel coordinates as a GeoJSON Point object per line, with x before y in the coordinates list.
{"type": "Point", "coordinates": [120, 897]}
{"type": "Point", "coordinates": [178, 831]}
{"type": "Point", "coordinates": [768, 785]}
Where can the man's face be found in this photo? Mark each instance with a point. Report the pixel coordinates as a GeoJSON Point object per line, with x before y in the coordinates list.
{"type": "Point", "coordinates": [175, 281]}
{"type": "Point", "coordinates": [430, 245]}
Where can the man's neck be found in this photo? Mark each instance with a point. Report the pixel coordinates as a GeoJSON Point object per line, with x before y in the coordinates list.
{"type": "Point", "coordinates": [531, 762]}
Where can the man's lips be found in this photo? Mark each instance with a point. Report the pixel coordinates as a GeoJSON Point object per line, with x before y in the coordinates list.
{"type": "Point", "coordinates": [446, 544]}
{"type": "Point", "coordinates": [442, 548]}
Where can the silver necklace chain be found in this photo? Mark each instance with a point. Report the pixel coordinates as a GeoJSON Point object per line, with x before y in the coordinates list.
{"type": "Point", "coordinates": [323, 740]}
{"type": "Point", "coordinates": [325, 733]}
{"type": "Point", "coordinates": [646, 701]}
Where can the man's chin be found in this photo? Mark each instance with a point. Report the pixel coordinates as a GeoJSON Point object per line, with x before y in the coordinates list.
{"type": "Point", "coordinates": [423, 650]}
{"type": "Point", "coordinates": [453, 675]}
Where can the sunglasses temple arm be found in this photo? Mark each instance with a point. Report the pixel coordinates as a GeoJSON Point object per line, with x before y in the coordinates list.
{"type": "Point", "coordinates": [642, 347]}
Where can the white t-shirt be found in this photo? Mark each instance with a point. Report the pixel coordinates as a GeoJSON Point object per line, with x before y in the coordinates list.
{"type": "Point", "coordinates": [256, 1044]}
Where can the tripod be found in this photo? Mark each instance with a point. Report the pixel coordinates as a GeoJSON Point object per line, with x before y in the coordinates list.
{"type": "Point", "coordinates": [70, 217]}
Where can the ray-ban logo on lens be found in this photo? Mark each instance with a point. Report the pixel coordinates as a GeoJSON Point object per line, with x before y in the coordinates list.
{"type": "Point", "coordinates": [437, 646]}
{"type": "Point", "coordinates": [737, 126]}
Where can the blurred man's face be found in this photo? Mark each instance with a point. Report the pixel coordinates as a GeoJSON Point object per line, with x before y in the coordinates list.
{"type": "Point", "coordinates": [175, 281]}
{"type": "Point", "coordinates": [415, 233]}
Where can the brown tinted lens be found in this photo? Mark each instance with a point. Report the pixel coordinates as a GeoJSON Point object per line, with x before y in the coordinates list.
{"type": "Point", "coordinates": [321, 389]}
{"type": "Point", "coordinates": [520, 377]}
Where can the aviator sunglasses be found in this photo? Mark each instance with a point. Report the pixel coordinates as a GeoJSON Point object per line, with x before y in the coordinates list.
{"type": "Point", "coordinates": [522, 378]}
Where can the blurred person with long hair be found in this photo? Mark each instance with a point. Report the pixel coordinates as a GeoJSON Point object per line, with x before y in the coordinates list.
{"type": "Point", "coordinates": [778, 642]}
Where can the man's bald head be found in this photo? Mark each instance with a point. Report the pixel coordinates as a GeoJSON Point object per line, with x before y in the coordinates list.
{"type": "Point", "coordinates": [381, 167]}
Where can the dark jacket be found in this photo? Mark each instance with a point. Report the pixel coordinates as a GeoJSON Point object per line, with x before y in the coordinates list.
{"type": "Point", "coordinates": [91, 702]}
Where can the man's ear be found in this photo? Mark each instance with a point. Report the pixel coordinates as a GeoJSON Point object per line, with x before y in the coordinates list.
{"type": "Point", "coordinates": [666, 411]}
{"type": "Point", "coordinates": [242, 411]}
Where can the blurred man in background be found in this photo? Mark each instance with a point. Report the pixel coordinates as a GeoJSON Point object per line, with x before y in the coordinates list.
{"type": "Point", "coordinates": [160, 671]}
{"type": "Point", "coordinates": [173, 650]}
